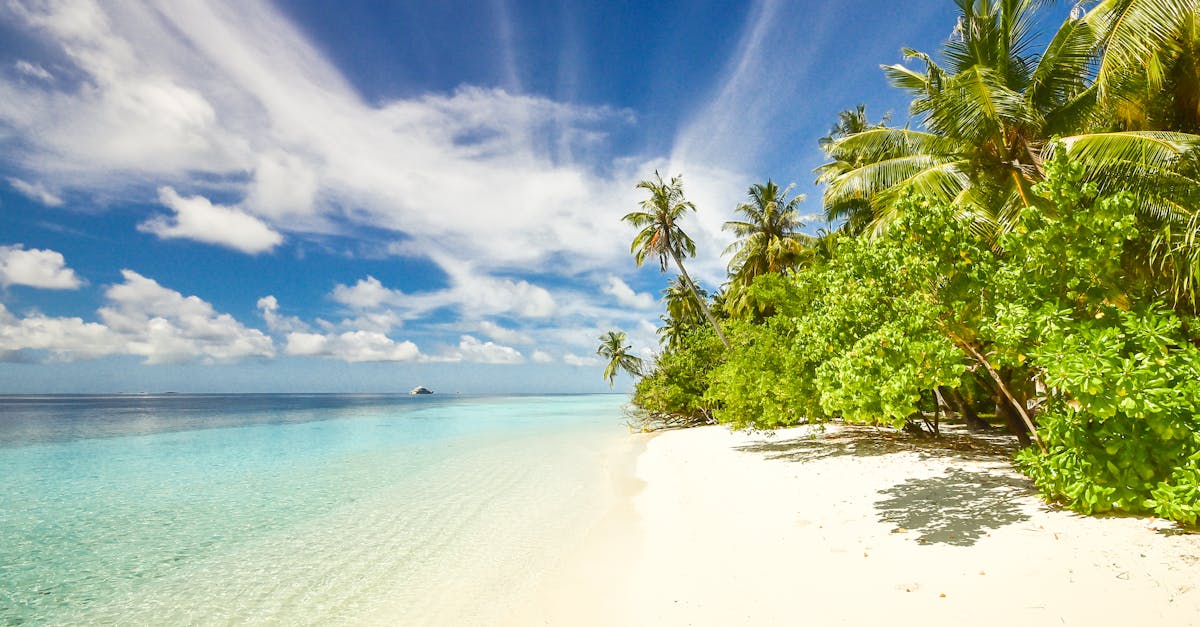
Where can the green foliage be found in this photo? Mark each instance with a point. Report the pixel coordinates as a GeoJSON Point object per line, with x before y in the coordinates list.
{"type": "Point", "coordinates": [680, 378]}
{"type": "Point", "coordinates": [767, 378]}
{"type": "Point", "coordinates": [1120, 421]}
{"type": "Point", "coordinates": [613, 347]}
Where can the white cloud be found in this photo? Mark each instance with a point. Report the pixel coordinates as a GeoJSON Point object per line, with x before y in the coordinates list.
{"type": "Point", "coordinates": [625, 295]}
{"type": "Point", "coordinates": [33, 70]}
{"type": "Point", "coordinates": [196, 218]}
{"type": "Point", "coordinates": [140, 318]}
{"type": "Point", "coordinates": [351, 346]}
{"type": "Point", "coordinates": [472, 350]}
{"type": "Point", "coordinates": [165, 326]}
{"type": "Point", "coordinates": [572, 359]}
{"type": "Point", "coordinates": [368, 293]}
{"type": "Point", "coordinates": [268, 308]}
{"type": "Point", "coordinates": [541, 357]}
{"type": "Point", "coordinates": [502, 334]}
{"type": "Point", "coordinates": [474, 295]}
{"type": "Point", "coordinates": [35, 267]}
{"type": "Point", "coordinates": [36, 192]}
{"type": "Point", "coordinates": [231, 98]}
{"type": "Point", "coordinates": [63, 338]}
{"type": "Point", "coordinates": [284, 184]}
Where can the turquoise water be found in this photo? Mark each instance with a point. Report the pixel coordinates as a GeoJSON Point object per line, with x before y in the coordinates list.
{"type": "Point", "coordinates": [292, 509]}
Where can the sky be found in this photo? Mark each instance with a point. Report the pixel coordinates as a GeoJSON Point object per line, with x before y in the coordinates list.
{"type": "Point", "coordinates": [366, 196]}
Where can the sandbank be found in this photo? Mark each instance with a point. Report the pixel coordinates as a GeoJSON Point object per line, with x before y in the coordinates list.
{"type": "Point", "coordinates": [851, 528]}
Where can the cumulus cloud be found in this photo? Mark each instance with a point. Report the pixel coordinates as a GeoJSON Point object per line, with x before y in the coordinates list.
{"type": "Point", "coordinates": [367, 293]}
{"type": "Point", "coordinates": [268, 308]}
{"type": "Point", "coordinates": [165, 326]}
{"type": "Point", "coordinates": [35, 267]}
{"type": "Point", "coordinates": [541, 357]}
{"type": "Point", "coordinates": [502, 334]}
{"type": "Point", "coordinates": [473, 350]}
{"type": "Point", "coordinates": [572, 359]}
{"type": "Point", "coordinates": [351, 346]}
{"type": "Point", "coordinates": [140, 318]}
{"type": "Point", "coordinates": [472, 294]}
{"type": "Point", "coordinates": [62, 338]}
{"type": "Point", "coordinates": [625, 295]}
{"type": "Point", "coordinates": [36, 192]}
{"type": "Point", "coordinates": [197, 218]}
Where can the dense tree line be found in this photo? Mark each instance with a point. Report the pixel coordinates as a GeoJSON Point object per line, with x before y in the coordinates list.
{"type": "Point", "coordinates": [1028, 247]}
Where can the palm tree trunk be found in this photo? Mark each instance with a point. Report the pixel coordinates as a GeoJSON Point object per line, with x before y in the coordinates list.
{"type": "Point", "coordinates": [703, 305]}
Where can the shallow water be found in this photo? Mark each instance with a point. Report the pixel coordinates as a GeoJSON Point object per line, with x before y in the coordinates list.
{"type": "Point", "coordinates": [291, 508]}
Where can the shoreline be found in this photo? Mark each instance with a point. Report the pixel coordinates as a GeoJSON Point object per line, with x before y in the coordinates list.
{"type": "Point", "coordinates": [745, 529]}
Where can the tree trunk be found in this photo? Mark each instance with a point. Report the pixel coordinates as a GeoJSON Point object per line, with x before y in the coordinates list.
{"type": "Point", "coordinates": [1004, 410]}
{"type": "Point", "coordinates": [703, 305]}
{"type": "Point", "coordinates": [968, 413]}
{"type": "Point", "coordinates": [1019, 406]}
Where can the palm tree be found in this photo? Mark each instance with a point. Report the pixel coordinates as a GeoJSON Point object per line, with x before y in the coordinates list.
{"type": "Point", "coordinates": [660, 235]}
{"type": "Point", "coordinates": [613, 348]}
{"type": "Point", "coordinates": [1149, 76]}
{"type": "Point", "coordinates": [769, 239]}
{"type": "Point", "coordinates": [987, 116]}
{"type": "Point", "coordinates": [683, 312]}
{"type": "Point", "coordinates": [853, 212]}
{"type": "Point", "coordinates": [681, 306]}
{"type": "Point", "coordinates": [990, 115]}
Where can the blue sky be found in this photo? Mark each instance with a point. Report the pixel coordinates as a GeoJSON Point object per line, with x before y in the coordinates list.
{"type": "Point", "coordinates": [368, 196]}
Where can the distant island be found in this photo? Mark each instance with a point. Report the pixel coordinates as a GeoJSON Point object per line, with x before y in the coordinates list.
{"type": "Point", "coordinates": [421, 390]}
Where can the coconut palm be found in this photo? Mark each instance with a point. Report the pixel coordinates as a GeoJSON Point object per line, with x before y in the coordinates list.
{"type": "Point", "coordinates": [990, 116]}
{"type": "Point", "coordinates": [1149, 75]}
{"type": "Point", "coordinates": [681, 305]}
{"type": "Point", "coordinates": [769, 238]}
{"type": "Point", "coordinates": [987, 116]}
{"type": "Point", "coordinates": [660, 235]}
{"type": "Point", "coordinates": [853, 213]}
{"type": "Point", "coordinates": [613, 348]}
{"type": "Point", "coordinates": [683, 312]}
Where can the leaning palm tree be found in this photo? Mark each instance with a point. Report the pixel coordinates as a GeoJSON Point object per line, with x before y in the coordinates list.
{"type": "Point", "coordinates": [613, 348]}
{"type": "Point", "coordinates": [660, 235]}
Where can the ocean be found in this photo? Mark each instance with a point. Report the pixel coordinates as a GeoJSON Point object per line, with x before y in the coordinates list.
{"type": "Point", "coordinates": [295, 509]}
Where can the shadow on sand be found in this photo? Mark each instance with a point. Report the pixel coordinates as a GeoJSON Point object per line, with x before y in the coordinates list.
{"type": "Point", "coordinates": [872, 442]}
{"type": "Point", "coordinates": [957, 509]}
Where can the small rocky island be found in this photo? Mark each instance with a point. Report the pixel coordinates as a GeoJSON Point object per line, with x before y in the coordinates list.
{"type": "Point", "coordinates": [421, 390]}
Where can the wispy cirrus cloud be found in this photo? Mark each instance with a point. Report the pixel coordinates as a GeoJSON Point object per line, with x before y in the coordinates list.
{"type": "Point", "coordinates": [36, 192]}
{"type": "Point", "coordinates": [187, 102]}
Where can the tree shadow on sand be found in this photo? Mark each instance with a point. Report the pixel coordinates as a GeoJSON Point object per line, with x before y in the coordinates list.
{"type": "Point", "coordinates": [860, 441]}
{"type": "Point", "coordinates": [956, 509]}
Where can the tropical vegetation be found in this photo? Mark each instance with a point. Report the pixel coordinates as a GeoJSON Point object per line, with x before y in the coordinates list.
{"type": "Point", "coordinates": [1025, 251]}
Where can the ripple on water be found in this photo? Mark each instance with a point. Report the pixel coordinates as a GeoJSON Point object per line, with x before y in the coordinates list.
{"type": "Point", "coordinates": [438, 516]}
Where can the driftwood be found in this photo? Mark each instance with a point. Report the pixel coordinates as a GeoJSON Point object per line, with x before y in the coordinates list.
{"type": "Point", "coordinates": [645, 421]}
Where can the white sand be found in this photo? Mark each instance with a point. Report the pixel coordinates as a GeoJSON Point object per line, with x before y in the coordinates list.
{"type": "Point", "coordinates": [740, 529]}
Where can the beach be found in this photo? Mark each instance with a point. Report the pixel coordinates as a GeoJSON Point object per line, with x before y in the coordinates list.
{"type": "Point", "coordinates": [804, 527]}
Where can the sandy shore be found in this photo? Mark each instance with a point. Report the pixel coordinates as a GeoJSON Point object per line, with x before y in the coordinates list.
{"type": "Point", "coordinates": [721, 528]}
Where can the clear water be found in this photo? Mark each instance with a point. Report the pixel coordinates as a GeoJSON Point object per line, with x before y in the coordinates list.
{"type": "Point", "coordinates": [298, 509]}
